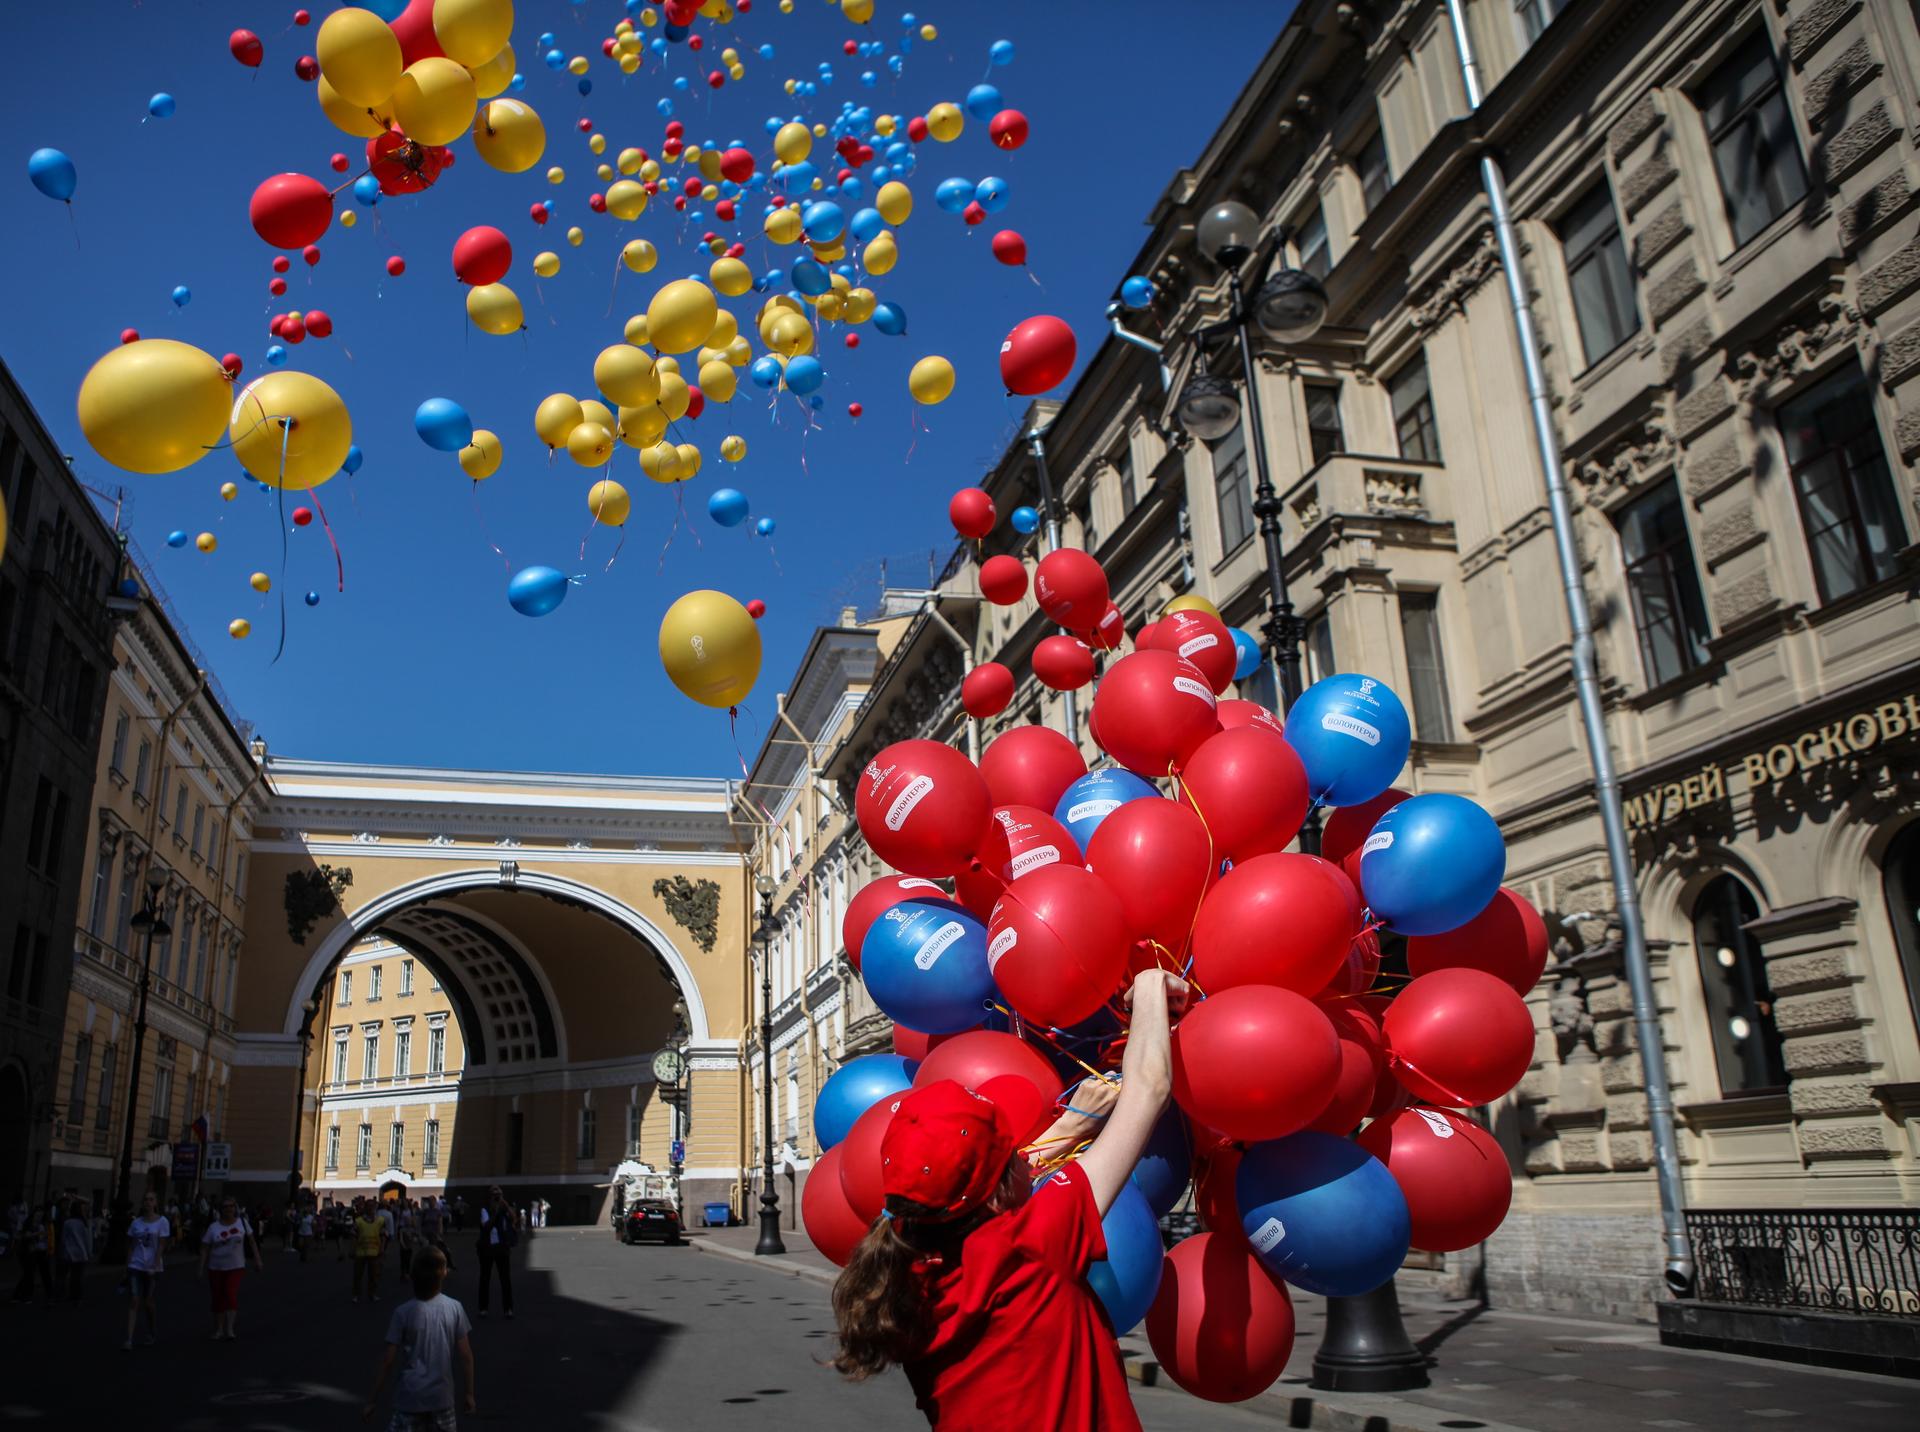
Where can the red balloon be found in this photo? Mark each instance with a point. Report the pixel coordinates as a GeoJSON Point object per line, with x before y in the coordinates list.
{"type": "Point", "coordinates": [972, 1058]}
{"type": "Point", "coordinates": [1152, 711]}
{"type": "Point", "coordinates": [290, 211]}
{"type": "Point", "coordinates": [1363, 1059]}
{"type": "Point", "coordinates": [132, 335]}
{"type": "Point", "coordinates": [1109, 631]}
{"type": "Point", "coordinates": [1003, 580]}
{"type": "Point", "coordinates": [1010, 248]}
{"type": "Point", "coordinates": [912, 1044]}
{"type": "Point", "coordinates": [1235, 713]}
{"type": "Point", "coordinates": [598, 203]}
{"type": "Point", "coordinates": [1056, 944]}
{"type": "Point", "coordinates": [338, 163]}
{"type": "Point", "coordinates": [311, 253]}
{"type": "Point", "coordinates": [301, 17]}
{"type": "Point", "coordinates": [861, 1172]}
{"type": "Point", "coordinates": [917, 129]}
{"type": "Point", "coordinates": [923, 807]}
{"type": "Point", "coordinates": [873, 900]}
{"type": "Point", "coordinates": [1019, 839]}
{"type": "Point", "coordinates": [1063, 663]}
{"type": "Point", "coordinates": [1037, 355]}
{"type": "Point", "coordinates": [294, 330]}
{"type": "Point", "coordinates": [281, 263]}
{"type": "Point", "coordinates": [1250, 788]}
{"type": "Point", "coordinates": [1356, 972]}
{"type": "Point", "coordinates": [276, 286]}
{"type": "Point", "coordinates": [1508, 940]}
{"type": "Point", "coordinates": [737, 165]}
{"type": "Point", "coordinates": [302, 516]}
{"type": "Point", "coordinates": [1031, 766]}
{"type": "Point", "coordinates": [396, 265]}
{"type": "Point", "coordinates": [538, 213]}
{"type": "Point", "coordinates": [853, 340]}
{"type": "Point", "coordinates": [756, 609]}
{"type": "Point", "coordinates": [413, 27]}
{"type": "Point", "coordinates": [1214, 1196]}
{"type": "Point", "coordinates": [232, 363]}
{"type": "Point", "coordinates": [1348, 827]}
{"type": "Point", "coordinates": [319, 323]}
{"type": "Point", "coordinates": [307, 68]}
{"type": "Point", "coordinates": [973, 214]}
{"type": "Point", "coordinates": [1221, 1324]}
{"type": "Point", "coordinates": [696, 401]}
{"type": "Point", "coordinates": [1007, 129]}
{"type": "Point", "coordinates": [1155, 858]}
{"type": "Point", "coordinates": [482, 255]}
{"type": "Point", "coordinates": [1254, 1062]}
{"type": "Point", "coordinates": [987, 690]}
{"type": "Point", "coordinates": [971, 512]}
{"type": "Point", "coordinates": [1277, 919]}
{"type": "Point", "coordinates": [1071, 588]}
{"type": "Point", "coordinates": [854, 410]}
{"type": "Point", "coordinates": [1143, 639]}
{"type": "Point", "coordinates": [1026, 1114]}
{"type": "Point", "coordinates": [1201, 638]}
{"type": "Point", "coordinates": [246, 48]}
{"type": "Point", "coordinates": [1453, 1172]}
{"type": "Point", "coordinates": [1459, 1037]}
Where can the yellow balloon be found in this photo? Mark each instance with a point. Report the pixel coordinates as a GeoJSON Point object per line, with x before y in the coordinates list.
{"type": "Point", "coordinates": [881, 253]}
{"type": "Point", "coordinates": [667, 364]}
{"type": "Point", "coordinates": [1191, 602]}
{"type": "Point", "coordinates": [604, 173]}
{"type": "Point", "coordinates": [239, 628]}
{"type": "Point", "coordinates": [689, 462]}
{"type": "Point", "coordinates": [472, 31]}
{"type": "Point", "coordinates": [929, 33]}
{"type": "Point", "coordinates": [590, 444]}
{"type": "Point", "coordinates": [733, 447]}
{"type": "Point", "coordinates": [592, 410]}
{"type": "Point", "coordinates": [789, 335]}
{"type": "Point", "coordinates": [830, 253]}
{"type": "Point", "coordinates": [636, 329]}
{"type": "Point", "coordinates": [945, 121]}
{"type": "Point", "coordinates": [598, 144]}
{"type": "Point", "coordinates": [661, 462]}
{"type": "Point", "coordinates": [154, 405]}
{"type": "Point", "coordinates": [931, 380]}
{"type": "Point", "coordinates": [434, 100]}
{"type": "Point", "coordinates": [290, 429]}
{"type": "Point", "coordinates": [858, 11]}
{"type": "Point", "coordinates": [509, 136]}
{"type": "Point", "coordinates": [629, 63]}
{"type": "Point", "coordinates": [260, 582]}
{"type": "Point", "coordinates": [626, 375]}
{"type": "Point", "coordinates": [360, 56]}
{"type": "Point", "coordinates": [631, 160]}
{"type": "Point", "coordinates": [206, 542]}
{"type": "Point", "coordinates": [792, 142]}
{"type": "Point", "coordinates": [860, 304]}
{"type": "Point", "coordinates": [556, 175]}
{"type": "Point", "coordinates": [828, 306]}
{"type": "Point", "coordinates": [674, 396]}
{"type": "Point", "coordinates": [642, 427]}
{"type": "Point", "coordinates": [495, 75]}
{"type": "Point", "coordinates": [731, 277]}
{"type": "Point", "coordinates": [229, 491]}
{"type": "Point", "coordinates": [576, 235]}
{"type": "Point", "coordinates": [681, 315]}
{"type": "Point", "coordinates": [627, 199]}
{"type": "Point", "coordinates": [347, 219]}
{"type": "Point", "coordinates": [639, 255]}
{"type": "Point", "coordinates": [739, 352]}
{"type": "Point", "coordinates": [557, 415]}
{"type": "Point", "coordinates": [577, 65]}
{"type": "Point", "coordinates": [354, 119]}
{"type": "Point", "coordinates": [481, 457]}
{"type": "Point", "coordinates": [783, 225]}
{"type": "Point", "coordinates": [884, 126]}
{"type": "Point", "coordinates": [894, 201]}
{"type": "Point", "coordinates": [710, 648]}
{"type": "Point", "coordinates": [546, 263]}
{"type": "Point", "coordinates": [717, 381]}
{"type": "Point", "coordinates": [495, 308]}
{"type": "Point", "coordinates": [725, 329]}
{"type": "Point", "coordinates": [607, 500]}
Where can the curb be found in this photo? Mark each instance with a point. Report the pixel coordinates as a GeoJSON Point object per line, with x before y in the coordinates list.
{"type": "Point", "coordinates": [786, 1266]}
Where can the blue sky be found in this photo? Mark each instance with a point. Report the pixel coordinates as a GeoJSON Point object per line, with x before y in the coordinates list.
{"type": "Point", "coordinates": [421, 659]}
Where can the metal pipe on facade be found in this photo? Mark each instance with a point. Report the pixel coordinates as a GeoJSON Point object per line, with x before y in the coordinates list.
{"type": "Point", "coordinates": [966, 670]}
{"type": "Point", "coordinates": [1606, 782]}
{"type": "Point", "coordinates": [1050, 516]}
{"type": "Point", "coordinates": [1126, 335]}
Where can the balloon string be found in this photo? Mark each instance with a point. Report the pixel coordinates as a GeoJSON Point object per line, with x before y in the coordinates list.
{"type": "Point", "coordinates": [1455, 1100]}
{"type": "Point", "coordinates": [339, 562]}
{"type": "Point", "coordinates": [1183, 792]}
{"type": "Point", "coordinates": [76, 226]}
{"type": "Point", "coordinates": [916, 426]}
{"type": "Point", "coordinates": [481, 522]}
{"type": "Point", "coordinates": [1043, 1035]}
{"type": "Point", "coordinates": [279, 486]}
{"type": "Point", "coordinates": [616, 549]}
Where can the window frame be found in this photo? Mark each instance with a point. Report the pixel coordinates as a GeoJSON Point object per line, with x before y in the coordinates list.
{"type": "Point", "coordinates": [588, 1133]}
{"type": "Point", "coordinates": [333, 1148]}
{"type": "Point", "coordinates": [1850, 483]}
{"type": "Point", "coordinates": [430, 1149]}
{"type": "Point", "coordinates": [1330, 388]}
{"type": "Point", "coordinates": [1596, 251]}
{"type": "Point", "coordinates": [1741, 115]}
{"type": "Point", "coordinates": [1426, 601]}
{"type": "Point", "coordinates": [77, 1083]}
{"type": "Point", "coordinates": [1684, 592]}
{"type": "Point", "coordinates": [1316, 259]}
{"type": "Point", "coordinates": [1427, 427]}
{"type": "Point", "coordinates": [1242, 488]}
{"type": "Point", "coordinates": [363, 1148]}
{"type": "Point", "coordinates": [1749, 960]}
{"type": "Point", "coordinates": [1383, 177]}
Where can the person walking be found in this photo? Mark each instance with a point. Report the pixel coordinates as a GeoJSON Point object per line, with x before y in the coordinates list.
{"type": "Point", "coordinates": [223, 1259]}
{"type": "Point", "coordinates": [369, 1242]}
{"type": "Point", "coordinates": [424, 1336]}
{"type": "Point", "coordinates": [499, 1231]}
{"type": "Point", "coordinates": [433, 1227]}
{"type": "Point", "coordinates": [147, 1239]}
{"type": "Point", "coordinates": [76, 1248]}
{"type": "Point", "coordinates": [33, 1248]}
{"type": "Point", "coordinates": [303, 1237]}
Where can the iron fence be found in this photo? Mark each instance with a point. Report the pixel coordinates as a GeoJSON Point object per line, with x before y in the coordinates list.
{"type": "Point", "coordinates": [1830, 1260]}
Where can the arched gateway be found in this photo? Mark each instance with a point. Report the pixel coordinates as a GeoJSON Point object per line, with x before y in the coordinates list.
{"type": "Point", "coordinates": [561, 916]}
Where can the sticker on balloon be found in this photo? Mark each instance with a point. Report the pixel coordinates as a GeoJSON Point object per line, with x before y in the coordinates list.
{"type": "Point", "coordinates": [1002, 943]}
{"type": "Point", "coordinates": [935, 945]}
{"type": "Point", "coordinates": [918, 789]}
{"type": "Point", "coordinates": [1268, 1235]}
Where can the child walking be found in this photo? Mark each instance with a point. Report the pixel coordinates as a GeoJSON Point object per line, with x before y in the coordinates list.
{"type": "Point", "coordinates": [974, 1280]}
{"type": "Point", "coordinates": [423, 1338]}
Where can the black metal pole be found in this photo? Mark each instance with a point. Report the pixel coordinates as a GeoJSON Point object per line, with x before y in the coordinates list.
{"type": "Point", "coordinates": [299, 1110]}
{"type": "Point", "coordinates": [123, 1185]}
{"type": "Point", "coordinates": [770, 1241]}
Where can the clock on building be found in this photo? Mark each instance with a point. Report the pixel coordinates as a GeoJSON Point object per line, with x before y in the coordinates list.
{"type": "Point", "coordinates": [668, 1066]}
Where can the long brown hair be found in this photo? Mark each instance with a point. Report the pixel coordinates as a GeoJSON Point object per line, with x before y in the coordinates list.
{"type": "Point", "coordinates": [879, 1299]}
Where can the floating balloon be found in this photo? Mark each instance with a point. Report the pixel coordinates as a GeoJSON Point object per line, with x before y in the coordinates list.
{"type": "Point", "coordinates": [1348, 827]}
{"type": "Point", "coordinates": [472, 31]}
{"type": "Point", "coordinates": [245, 47]}
{"type": "Point", "coordinates": [855, 1087]}
{"type": "Point", "coordinates": [1222, 1325]}
{"type": "Point", "coordinates": [1322, 1213]}
{"type": "Point", "coordinates": [1216, 779]}
{"type": "Point", "coordinates": [1003, 579]}
{"type": "Point", "coordinates": [930, 380]}
{"type": "Point", "coordinates": [1363, 1063]}
{"type": "Point", "coordinates": [359, 57]}
{"type": "Point", "coordinates": [1137, 292]}
{"type": "Point", "coordinates": [874, 899]}
{"type": "Point", "coordinates": [434, 100]}
{"type": "Point", "coordinates": [443, 425]}
{"type": "Point", "coordinates": [1007, 129]}
{"type": "Point", "coordinates": [710, 648]}
{"type": "Point", "coordinates": [862, 1174]}
{"type": "Point", "coordinates": [1071, 588]}
{"type": "Point", "coordinates": [535, 591]}
{"type": "Point", "coordinates": [975, 1057]}
{"type": "Point", "coordinates": [154, 405]}
{"type": "Point", "coordinates": [1025, 520]}
{"type": "Point", "coordinates": [1352, 735]}
{"type": "Point", "coordinates": [1009, 248]}
{"type": "Point", "coordinates": [971, 512]}
{"type": "Point", "coordinates": [290, 430]}
{"type": "Point", "coordinates": [681, 315]}
{"type": "Point", "coordinates": [494, 308]}
{"type": "Point", "coordinates": [1157, 861]}
{"type": "Point", "coordinates": [161, 106]}
{"type": "Point", "coordinates": [1152, 711]}
{"type": "Point", "coordinates": [1459, 1037]}
{"type": "Point", "coordinates": [1062, 663]}
{"type": "Point", "coordinates": [891, 319]}
{"type": "Point", "coordinates": [1275, 919]}
{"type": "Point", "coordinates": [1037, 355]}
{"type": "Point", "coordinates": [1254, 1062]}
{"type": "Point", "coordinates": [1030, 766]}
{"type": "Point", "coordinates": [480, 458]}
{"type": "Point", "coordinates": [1432, 863]}
{"type": "Point", "coordinates": [608, 502]}
{"type": "Point", "coordinates": [727, 506]}
{"type": "Point", "coordinates": [1056, 944]}
{"type": "Point", "coordinates": [987, 690]}
{"type": "Point", "coordinates": [1507, 940]}
{"type": "Point", "coordinates": [1086, 803]}
{"type": "Point", "coordinates": [925, 964]}
{"type": "Point", "coordinates": [482, 254]}
{"type": "Point", "coordinates": [509, 136]}
{"type": "Point", "coordinates": [290, 211]}
{"type": "Point", "coordinates": [923, 808]}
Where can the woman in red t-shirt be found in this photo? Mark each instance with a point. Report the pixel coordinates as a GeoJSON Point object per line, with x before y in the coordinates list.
{"type": "Point", "coordinates": [974, 1279]}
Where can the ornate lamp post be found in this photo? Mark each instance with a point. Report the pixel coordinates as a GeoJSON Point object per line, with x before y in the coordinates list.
{"type": "Point", "coordinates": [770, 1241]}
{"type": "Point", "coordinates": [307, 1012]}
{"type": "Point", "coordinates": [148, 920]}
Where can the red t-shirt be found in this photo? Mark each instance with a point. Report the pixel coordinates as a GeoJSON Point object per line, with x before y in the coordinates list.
{"type": "Point", "coordinates": [1020, 1338]}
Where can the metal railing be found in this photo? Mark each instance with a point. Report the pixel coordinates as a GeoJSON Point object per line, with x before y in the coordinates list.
{"type": "Point", "coordinates": [1830, 1260]}
{"type": "Point", "coordinates": [165, 991]}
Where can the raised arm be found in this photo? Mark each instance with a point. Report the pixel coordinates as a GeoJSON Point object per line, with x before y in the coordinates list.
{"type": "Point", "coordinates": [1146, 1078]}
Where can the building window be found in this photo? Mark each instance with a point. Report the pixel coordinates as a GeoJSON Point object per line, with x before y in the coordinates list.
{"type": "Point", "coordinates": [121, 725]}
{"type": "Point", "coordinates": [333, 1147]}
{"type": "Point", "coordinates": [199, 825]}
{"type": "Point", "coordinates": [1371, 165]}
{"type": "Point", "coordinates": [1840, 476]}
{"type": "Point", "coordinates": [396, 1144]}
{"type": "Point", "coordinates": [143, 768]}
{"type": "Point", "coordinates": [402, 1053]}
{"type": "Point", "coordinates": [1232, 493]}
{"type": "Point", "coordinates": [1413, 420]}
{"type": "Point", "coordinates": [431, 1156]}
{"type": "Point", "coordinates": [1324, 432]}
{"type": "Point", "coordinates": [1534, 16]}
{"type": "Point", "coordinates": [363, 1148]}
{"type": "Point", "coordinates": [437, 1049]}
{"type": "Point", "coordinates": [1320, 660]}
{"type": "Point", "coordinates": [1598, 273]}
{"type": "Point", "coordinates": [123, 915]}
{"type": "Point", "coordinates": [406, 977]}
{"type": "Point", "coordinates": [1123, 467]}
{"type": "Point", "coordinates": [1733, 980]}
{"type": "Point", "coordinates": [1755, 152]}
{"type": "Point", "coordinates": [1668, 611]}
{"type": "Point", "coordinates": [97, 906]}
{"type": "Point", "coordinates": [1903, 908]}
{"type": "Point", "coordinates": [588, 1131]}
{"type": "Point", "coordinates": [77, 1091]}
{"type": "Point", "coordinates": [346, 988]}
{"type": "Point", "coordinates": [103, 1103]}
{"type": "Point", "coordinates": [373, 982]}
{"type": "Point", "coordinates": [159, 1118]}
{"type": "Point", "coordinates": [1426, 672]}
{"type": "Point", "coordinates": [1310, 242]}
{"type": "Point", "coordinates": [370, 1057]}
{"type": "Point", "coordinates": [340, 1056]}
{"type": "Point", "coordinates": [633, 1131]}
{"type": "Point", "coordinates": [180, 808]}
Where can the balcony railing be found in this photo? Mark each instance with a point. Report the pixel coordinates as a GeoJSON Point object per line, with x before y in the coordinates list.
{"type": "Point", "coordinates": [128, 969]}
{"type": "Point", "coordinates": [1365, 485]}
{"type": "Point", "coordinates": [392, 1081]}
{"type": "Point", "coordinates": [1828, 1260]}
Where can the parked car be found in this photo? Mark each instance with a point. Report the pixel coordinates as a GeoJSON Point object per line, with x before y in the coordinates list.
{"type": "Point", "coordinates": [650, 1221]}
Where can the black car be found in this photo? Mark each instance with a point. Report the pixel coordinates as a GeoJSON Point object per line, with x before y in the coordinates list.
{"type": "Point", "coordinates": [650, 1221]}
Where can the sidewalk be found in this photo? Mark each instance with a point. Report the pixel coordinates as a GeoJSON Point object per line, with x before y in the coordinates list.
{"type": "Point", "coordinates": [1503, 1371]}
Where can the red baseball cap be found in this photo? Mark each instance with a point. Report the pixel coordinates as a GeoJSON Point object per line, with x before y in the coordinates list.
{"type": "Point", "coordinates": [945, 1149]}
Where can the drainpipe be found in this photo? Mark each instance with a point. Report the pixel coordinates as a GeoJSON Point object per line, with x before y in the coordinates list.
{"type": "Point", "coordinates": [1050, 514]}
{"type": "Point", "coordinates": [930, 601]}
{"type": "Point", "coordinates": [1125, 335]}
{"type": "Point", "coordinates": [1606, 782]}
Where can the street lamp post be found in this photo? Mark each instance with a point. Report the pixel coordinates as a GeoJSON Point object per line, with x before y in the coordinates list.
{"type": "Point", "coordinates": [307, 1011]}
{"type": "Point", "coordinates": [677, 1096]}
{"type": "Point", "coordinates": [770, 1241]}
{"type": "Point", "coordinates": [149, 920]}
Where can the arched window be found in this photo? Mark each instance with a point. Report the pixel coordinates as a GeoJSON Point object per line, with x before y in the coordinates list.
{"type": "Point", "coordinates": [1903, 908]}
{"type": "Point", "coordinates": [1733, 980]}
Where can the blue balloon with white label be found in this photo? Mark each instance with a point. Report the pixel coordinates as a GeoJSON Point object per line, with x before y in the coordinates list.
{"type": "Point", "coordinates": [1094, 797]}
{"type": "Point", "coordinates": [1351, 733]}
{"type": "Point", "coordinates": [992, 193]}
{"type": "Point", "coordinates": [856, 1087]}
{"type": "Point", "coordinates": [1246, 654]}
{"type": "Point", "coordinates": [925, 964]}
{"type": "Point", "coordinates": [1432, 863]}
{"type": "Point", "coordinates": [1126, 1280]}
{"type": "Point", "coordinates": [1322, 1213]}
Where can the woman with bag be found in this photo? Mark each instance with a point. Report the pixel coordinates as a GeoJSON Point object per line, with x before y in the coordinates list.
{"type": "Point", "coordinates": [499, 1231]}
{"type": "Point", "coordinates": [223, 1258]}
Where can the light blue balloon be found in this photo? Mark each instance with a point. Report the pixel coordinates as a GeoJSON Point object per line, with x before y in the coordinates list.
{"type": "Point", "coordinates": [823, 221]}
{"type": "Point", "coordinates": [176, 538]}
{"type": "Point", "coordinates": [1137, 291]}
{"type": "Point", "coordinates": [869, 78]}
{"type": "Point", "coordinates": [52, 173]}
{"type": "Point", "coordinates": [535, 591]}
{"type": "Point", "coordinates": [1126, 1280]}
{"type": "Point", "coordinates": [804, 374]}
{"type": "Point", "coordinates": [890, 318]}
{"type": "Point", "coordinates": [313, 599]}
{"type": "Point", "coordinates": [764, 371]}
{"type": "Point", "coordinates": [727, 506]}
{"type": "Point", "coordinates": [1000, 52]}
{"type": "Point", "coordinates": [1097, 795]}
{"type": "Point", "coordinates": [766, 52]}
{"type": "Point", "coordinates": [896, 64]}
{"type": "Point", "coordinates": [1432, 863]}
{"type": "Point", "coordinates": [764, 527]}
{"type": "Point", "coordinates": [1026, 520]}
{"type": "Point", "coordinates": [1246, 655]}
{"type": "Point", "coordinates": [443, 425]}
{"type": "Point", "coordinates": [810, 276]}
{"type": "Point", "coordinates": [983, 102]}
{"type": "Point", "coordinates": [354, 458]}
{"type": "Point", "coordinates": [162, 106]}
{"type": "Point", "coordinates": [548, 40]}
{"type": "Point", "coordinates": [1322, 1213]}
{"type": "Point", "coordinates": [182, 295]}
{"type": "Point", "coordinates": [517, 83]}
{"type": "Point", "coordinates": [953, 195]}
{"type": "Point", "coordinates": [992, 194]}
{"type": "Point", "coordinates": [555, 60]}
{"type": "Point", "coordinates": [925, 964]}
{"type": "Point", "coordinates": [276, 355]}
{"type": "Point", "coordinates": [1351, 733]}
{"type": "Point", "coordinates": [366, 190]}
{"type": "Point", "coordinates": [856, 1087]}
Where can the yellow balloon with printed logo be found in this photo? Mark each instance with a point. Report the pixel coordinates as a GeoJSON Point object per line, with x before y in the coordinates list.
{"type": "Point", "coordinates": [894, 201]}
{"type": "Point", "coordinates": [155, 405]}
{"type": "Point", "coordinates": [710, 648]}
{"type": "Point", "coordinates": [944, 122]}
{"type": "Point", "coordinates": [590, 444]}
{"type": "Point", "coordinates": [681, 315]}
{"type": "Point", "coordinates": [931, 380]}
{"type": "Point", "coordinates": [495, 75]}
{"type": "Point", "coordinates": [627, 199]}
{"type": "Point", "coordinates": [495, 308]}
{"type": "Point", "coordinates": [643, 426]}
{"type": "Point", "coordinates": [557, 415]}
{"type": "Point", "coordinates": [1191, 602]}
{"type": "Point", "coordinates": [481, 457]}
{"type": "Point", "coordinates": [509, 136]}
{"type": "Point", "coordinates": [355, 119]}
{"type": "Point", "coordinates": [733, 447]}
{"type": "Point", "coordinates": [731, 277]}
{"type": "Point", "coordinates": [792, 142]}
{"type": "Point", "coordinates": [717, 381]}
{"type": "Point", "coordinates": [434, 100]}
{"type": "Point", "coordinates": [626, 375]}
{"type": "Point", "coordinates": [359, 55]}
{"type": "Point", "coordinates": [546, 263]}
{"type": "Point", "coordinates": [289, 429]}
{"type": "Point", "coordinates": [881, 253]}
{"type": "Point", "coordinates": [472, 31]}
{"type": "Point", "coordinates": [607, 500]}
